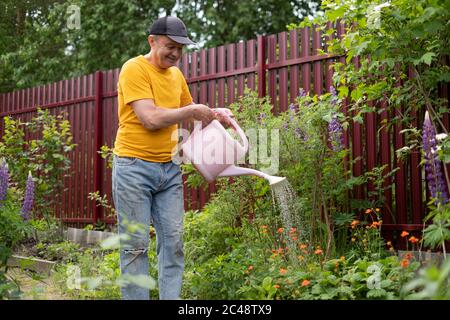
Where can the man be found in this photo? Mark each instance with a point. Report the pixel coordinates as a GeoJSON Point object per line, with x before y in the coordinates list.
{"type": "Point", "coordinates": [147, 186]}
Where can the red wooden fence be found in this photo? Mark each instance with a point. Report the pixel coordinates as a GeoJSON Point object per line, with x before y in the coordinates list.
{"type": "Point", "coordinates": [277, 65]}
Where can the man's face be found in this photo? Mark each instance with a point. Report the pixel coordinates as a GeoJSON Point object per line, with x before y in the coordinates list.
{"type": "Point", "coordinates": [166, 51]}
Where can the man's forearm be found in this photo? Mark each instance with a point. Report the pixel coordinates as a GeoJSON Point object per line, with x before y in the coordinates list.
{"type": "Point", "coordinates": [162, 117]}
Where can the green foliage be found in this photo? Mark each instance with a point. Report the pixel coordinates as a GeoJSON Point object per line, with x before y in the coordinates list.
{"type": "Point", "coordinates": [46, 156]}
{"type": "Point", "coordinates": [13, 229]}
{"type": "Point", "coordinates": [432, 283]}
{"type": "Point", "coordinates": [38, 46]}
{"type": "Point", "coordinates": [438, 232]}
{"type": "Point", "coordinates": [63, 252]}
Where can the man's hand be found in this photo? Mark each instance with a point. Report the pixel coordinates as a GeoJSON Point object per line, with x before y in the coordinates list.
{"type": "Point", "coordinates": [202, 113]}
{"type": "Point", "coordinates": [224, 120]}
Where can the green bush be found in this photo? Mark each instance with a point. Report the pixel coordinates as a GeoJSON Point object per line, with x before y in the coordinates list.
{"type": "Point", "coordinates": [45, 157]}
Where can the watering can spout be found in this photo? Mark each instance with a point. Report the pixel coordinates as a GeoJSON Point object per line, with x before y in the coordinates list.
{"type": "Point", "coordinates": [239, 171]}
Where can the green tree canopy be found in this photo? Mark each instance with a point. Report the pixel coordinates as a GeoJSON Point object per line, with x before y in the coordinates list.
{"type": "Point", "coordinates": [38, 46]}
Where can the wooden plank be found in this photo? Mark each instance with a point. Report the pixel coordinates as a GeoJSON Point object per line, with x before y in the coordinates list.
{"type": "Point", "coordinates": [371, 144]}
{"type": "Point", "coordinates": [240, 65]}
{"type": "Point", "coordinates": [272, 83]}
{"type": "Point", "coordinates": [317, 65]}
{"type": "Point", "coordinates": [251, 62]}
{"type": "Point", "coordinates": [231, 66]}
{"type": "Point", "coordinates": [401, 174]}
{"type": "Point", "coordinates": [261, 68]}
{"type": "Point", "coordinates": [416, 169]}
{"type": "Point", "coordinates": [283, 72]}
{"type": "Point", "coordinates": [294, 70]}
{"type": "Point", "coordinates": [357, 148]}
{"type": "Point", "coordinates": [221, 82]}
{"type": "Point", "coordinates": [304, 53]}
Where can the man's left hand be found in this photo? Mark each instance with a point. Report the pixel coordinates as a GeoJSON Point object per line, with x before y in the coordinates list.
{"type": "Point", "coordinates": [224, 120]}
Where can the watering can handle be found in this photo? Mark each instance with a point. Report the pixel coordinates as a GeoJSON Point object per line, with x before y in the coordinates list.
{"type": "Point", "coordinates": [229, 115]}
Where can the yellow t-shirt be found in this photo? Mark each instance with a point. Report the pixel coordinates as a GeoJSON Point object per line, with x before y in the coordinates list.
{"type": "Point", "coordinates": [139, 79]}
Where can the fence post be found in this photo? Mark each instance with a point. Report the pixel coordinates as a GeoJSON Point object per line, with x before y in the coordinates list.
{"type": "Point", "coordinates": [98, 185]}
{"type": "Point", "coordinates": [261, 67]}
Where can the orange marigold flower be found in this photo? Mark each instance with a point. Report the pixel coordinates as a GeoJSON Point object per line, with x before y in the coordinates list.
{"type": "Point", "coordinates": [303, 246]}
{"type": "Point", "coordinates": [354, 223]}
{"type": "Point", "coordinates": [283, 271]}
{"type": "Point", "coordinates": [301, 258]}
{"type": "Point", "coordinates": [293, 229]}
{"type": "Point", "coordinates": [404, 234]}
{"type": "Point", "coordinates": [413, 239]}
{"type": "Point", "coordinates": [368, 211]}
{"type": "Point", "coordinates": [407, 256]}
{"type": "Point", "coordinates": [375, 224]}
{"type": "Point", "coordinates": [250, 268]}
{"type": "Point", "coordinates": [280, 250]}
{"type": "Point", "coordinates": [276, 286]}
{"type": "Point", "coordinates": [318, 251]}
{"type": "Point", "coordinates": [405, 263]}
{"type": "Point", "coordinates": [280, 230]}
{"type": "Point", "coordinates": [294, 238]}
{"type": "Point", "coordinates": [305, 283]}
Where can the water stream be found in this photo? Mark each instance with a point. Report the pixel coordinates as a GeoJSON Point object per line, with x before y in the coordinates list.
{"type": "Point", "coordinates": [285, 198]}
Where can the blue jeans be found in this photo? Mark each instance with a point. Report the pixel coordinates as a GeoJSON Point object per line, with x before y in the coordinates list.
{"type": "Point", "coordinates": [144, 193]}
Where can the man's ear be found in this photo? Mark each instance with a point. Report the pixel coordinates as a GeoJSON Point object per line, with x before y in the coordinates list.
{"type": "Point", "coordinates": [151, 40]}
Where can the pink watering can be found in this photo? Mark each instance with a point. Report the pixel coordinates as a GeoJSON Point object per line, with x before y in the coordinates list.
{"type": "Point", "coordinates": [214, 152]}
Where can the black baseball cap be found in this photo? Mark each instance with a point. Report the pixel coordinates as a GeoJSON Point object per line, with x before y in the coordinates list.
{"type": "Point", "coordinates": [171, 27]}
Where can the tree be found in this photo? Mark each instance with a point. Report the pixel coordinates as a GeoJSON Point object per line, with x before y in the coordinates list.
{"type": "Point", "coordinates": [38, 46]}
{"type": "Point", "coordinates": [217, 22]}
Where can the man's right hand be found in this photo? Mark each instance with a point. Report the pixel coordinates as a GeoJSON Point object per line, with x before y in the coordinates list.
{"type": "Point", "coordinates": [202, 113]}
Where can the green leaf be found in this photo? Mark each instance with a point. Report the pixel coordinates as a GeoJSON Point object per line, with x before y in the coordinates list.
{"type": "Point", "coordinates": [427, 57]}
{"type": "Point", "coordinates": [376, 293]}
{"type": "Point", "coordinates": [343, 91]}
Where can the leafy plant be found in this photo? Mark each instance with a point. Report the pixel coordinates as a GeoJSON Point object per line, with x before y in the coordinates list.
{"type": "Point", "coordinates": [46, 156]}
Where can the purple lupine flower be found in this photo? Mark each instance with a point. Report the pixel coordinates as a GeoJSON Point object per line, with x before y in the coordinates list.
{"type": "Point", "coordinates": [433, 166]}
{"type": "Point", "coordinates": [293, 108]}
{"type": "Point", "coordinates": [299, 134]}
{"type": "Point", "coordinates": [302, 93]}
{"type": "Point", "coordinates": [28, 199]}
{"type": "Point", "coordinates": [4, 178]}
{"type": "Point", "coordinates": [334, 96]}
{"type": "Point", "coordinates": [336, 133]}
{"type": "Point", "coordinates": [261, 117]}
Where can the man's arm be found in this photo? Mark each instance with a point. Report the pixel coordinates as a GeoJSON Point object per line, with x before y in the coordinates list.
{"type": "Point", "coordinates": [153, 117]}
